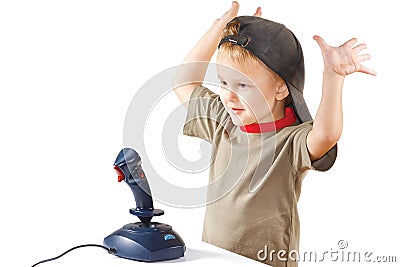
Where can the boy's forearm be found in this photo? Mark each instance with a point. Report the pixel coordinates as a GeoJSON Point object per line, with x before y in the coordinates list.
{"type": "Point", "coordinates": [194, 67]}
{"type": "Point", "coordinates": [328, 122]}
{"type": "Point", "coordinates": [206, 46]}
{"type": "Point", "coordinates": [191, 73]}
{"type": "Point", "coordinates": [202, 52]}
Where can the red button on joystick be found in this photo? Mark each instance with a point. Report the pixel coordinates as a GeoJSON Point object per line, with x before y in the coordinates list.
{"type": "Point", "coordinates": [121, 175]}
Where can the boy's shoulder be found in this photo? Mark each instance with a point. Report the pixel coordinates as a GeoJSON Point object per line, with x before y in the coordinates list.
{"type": "Point", "coordinates": [295, 139]}
{"type": "Point", "coordinates": [296, 128]}
{"type": "Point", "coordinates": [294, 136]}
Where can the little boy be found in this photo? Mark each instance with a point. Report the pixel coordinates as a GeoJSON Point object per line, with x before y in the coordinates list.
{"type": "Point", "coordinates": [263, 134]}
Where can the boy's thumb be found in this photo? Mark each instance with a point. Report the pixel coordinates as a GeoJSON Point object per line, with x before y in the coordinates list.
{"type": "Point", "coordinates": [321, 42]}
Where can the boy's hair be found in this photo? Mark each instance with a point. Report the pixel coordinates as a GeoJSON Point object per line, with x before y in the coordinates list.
{"type": "Point", "coordinates": [240, 55]}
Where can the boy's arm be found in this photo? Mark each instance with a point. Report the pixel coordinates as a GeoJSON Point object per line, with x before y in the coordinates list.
{"type": "Point", "coordinates": [194, 67]}
{"type": "Point", "coordinates": [191, 75]}
{"type": "Point", "coordinates": [328, 123]}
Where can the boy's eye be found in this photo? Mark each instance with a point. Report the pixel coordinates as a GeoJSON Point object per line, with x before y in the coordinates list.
{"type": "Point", "coordinates": [242, 85]}
{"type": "Point", "coordinates": [223, 83]}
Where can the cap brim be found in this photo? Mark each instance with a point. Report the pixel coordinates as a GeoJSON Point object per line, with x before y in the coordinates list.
{"type": "Point", "coordinates": [299, 104]}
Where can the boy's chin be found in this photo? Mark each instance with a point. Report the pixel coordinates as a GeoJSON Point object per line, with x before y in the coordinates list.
{"type": "Point", "coordinates": [237, 122]}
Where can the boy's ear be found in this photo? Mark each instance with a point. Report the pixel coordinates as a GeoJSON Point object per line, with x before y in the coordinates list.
{"type": "Point", "coordinates": [281, 91]}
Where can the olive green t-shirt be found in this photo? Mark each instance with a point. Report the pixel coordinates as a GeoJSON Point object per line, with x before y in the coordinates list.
{"type": "Point", "coordinates": [254, 182]}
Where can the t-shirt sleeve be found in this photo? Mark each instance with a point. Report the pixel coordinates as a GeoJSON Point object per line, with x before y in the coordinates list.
{"type": "Point", "coordinates": [301, 157]}
{"type": "Point", "coordinates": [205, 114]}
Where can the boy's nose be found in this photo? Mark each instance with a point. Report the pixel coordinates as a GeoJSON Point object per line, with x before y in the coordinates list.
{"type": "Point", "coordinates": [230, 95]}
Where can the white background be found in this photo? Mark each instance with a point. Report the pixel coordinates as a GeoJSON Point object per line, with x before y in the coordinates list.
{"type": "Point", "coordinates": [69, 69]}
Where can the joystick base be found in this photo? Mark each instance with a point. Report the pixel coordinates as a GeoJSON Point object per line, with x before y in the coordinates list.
{"type": "Point", "coordinates": [148, 242]}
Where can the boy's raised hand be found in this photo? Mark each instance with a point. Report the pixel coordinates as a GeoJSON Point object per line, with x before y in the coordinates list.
{"type": "Point", "coordinates": [232, 13]}
{"type": "Point", "coordinates": [345, 59]}
{"type": "Point", "coordinates": [228, 15]}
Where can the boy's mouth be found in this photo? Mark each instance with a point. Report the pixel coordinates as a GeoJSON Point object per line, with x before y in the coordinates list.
{"type": "Point", "coordinates": [237, 110]}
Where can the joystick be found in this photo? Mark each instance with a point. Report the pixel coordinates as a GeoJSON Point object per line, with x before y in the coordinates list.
{"type": "Point", "coordinates": [144, 240]}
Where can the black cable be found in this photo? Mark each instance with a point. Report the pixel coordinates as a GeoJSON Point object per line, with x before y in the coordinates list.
{"type": "Point", "coordinates": [109, 250]}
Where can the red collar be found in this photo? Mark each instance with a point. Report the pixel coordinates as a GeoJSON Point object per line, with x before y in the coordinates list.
{"type": "Point", "coordinates": [289, 119]}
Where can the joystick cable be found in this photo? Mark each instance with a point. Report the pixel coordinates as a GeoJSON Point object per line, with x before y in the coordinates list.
{"type": "Point", "coordinates": [109, 250]}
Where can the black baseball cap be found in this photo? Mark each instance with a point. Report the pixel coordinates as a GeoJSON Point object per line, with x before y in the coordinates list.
{"type": "Point", "coordinates": [278, 48]}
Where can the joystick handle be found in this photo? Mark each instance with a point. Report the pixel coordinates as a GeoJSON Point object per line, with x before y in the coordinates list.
{"type": "Point", "coordinates": [129, 169]}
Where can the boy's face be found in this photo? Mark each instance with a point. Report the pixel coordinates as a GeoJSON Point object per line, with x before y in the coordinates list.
{"type": "Point", "coordinates": [248, 92]}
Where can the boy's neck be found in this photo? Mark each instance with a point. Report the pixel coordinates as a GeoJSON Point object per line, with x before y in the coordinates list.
{"type": "Point", "coordinates": [288, 119]}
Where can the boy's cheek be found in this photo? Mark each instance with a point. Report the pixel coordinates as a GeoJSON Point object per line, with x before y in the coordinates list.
{"type": "Point", "coordinates": [243, 118]}
{"type": "Point", "coordinates": [257, 105]}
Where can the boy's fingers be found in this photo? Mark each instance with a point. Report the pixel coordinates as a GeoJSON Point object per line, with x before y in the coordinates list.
{"type": "Point", "coordinates": [364, 57]}
{"type": "Point", "coordinates": [367, 70]}
{"type": "Point", "coordinates": [230, 14]}
{"type": "Point", "coordinates": [359, 47]}
{"type": "Point", "coordinates": [258, 12]}
{"type": "Point", "coordinates": [234, 8]}
{"type": "Point", "coordinates": [350, 42]}
{"type": "Point", "coordinates": [321, 42]}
